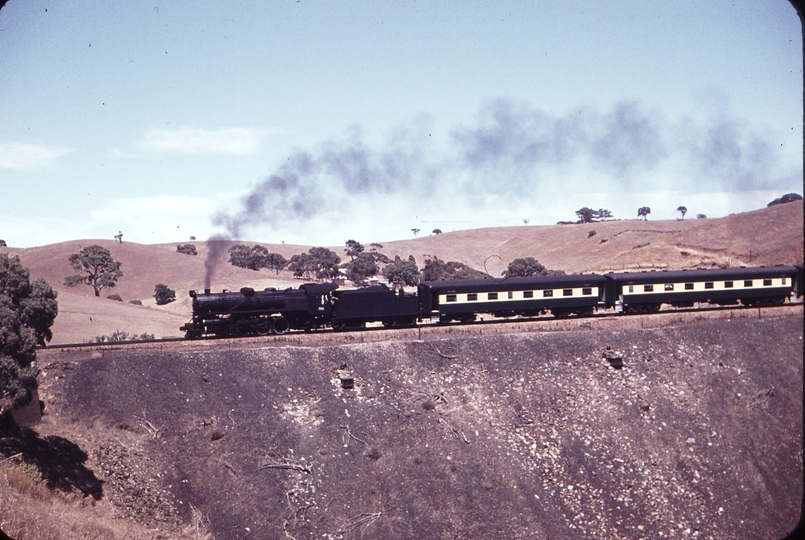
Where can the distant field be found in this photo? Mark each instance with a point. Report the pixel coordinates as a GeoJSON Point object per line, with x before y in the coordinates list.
{"type": "Point", "coordinates": [763, 237]}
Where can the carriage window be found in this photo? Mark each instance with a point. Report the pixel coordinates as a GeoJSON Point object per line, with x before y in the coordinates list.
{"type": "Point", "coordinates": [587, 290]}
{"type": "Point", "coordinates": [492, 296]}
{"type": "Point", "coordinates": [688, 286]}
{"type": "Point", "coordinates": [547, 293]}
{"type": "Point", "coordinates": [528, 294]}
{"type": "Point", "coordinates": [451, 297]}
{"type": "Point", "coordinates": [471, 297]}
{"type": "Point", "coordinates": [511, 294]}
{"type": "Point", "coordinates": [648, 288]}
{"type": "Point", "coordinates": [631, 288]}
{"type": "Point", "coordinates": [766, 282]}
{"type": "Point", "coordinates": [669, 286]}
{"type": "Point", "coordinates": [748, 283]}
{"type": "Point", "coordinates": [708, 285]}
{"type": "Point", "coordinates": [783, 281]}
{"type": "Point", "coordinates": [567, 292]}
{"type": "Point", "coordinates": [728, 284]}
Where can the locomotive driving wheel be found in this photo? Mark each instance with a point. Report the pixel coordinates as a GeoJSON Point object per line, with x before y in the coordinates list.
{"type": "Point", "coordinates": [280, 325]}
{"type": "Point", "coordinates": [263, 327]}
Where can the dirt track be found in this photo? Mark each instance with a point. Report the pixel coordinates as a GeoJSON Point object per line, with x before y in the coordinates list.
{"type": "Point", "coordinates": [465, 435]}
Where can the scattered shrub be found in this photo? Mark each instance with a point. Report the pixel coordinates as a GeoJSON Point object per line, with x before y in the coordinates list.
{"type": "Point", "coordinates": [136, 302]}
{"type": "Point", "coordinates": [26, 479]}
{"type": "Point", "coordinates": [31, 471]}
{"type": "Point", "coordinates": [787, 198]}
{"type": "Point", "coordinates": [119, 335]}
{"type": "Point", "coordinates": [187, 249]}
{"type": "Point", "coordinates": [163, 294]}
{"type": "Point", "coordinates": [115, 297]}
{"type": "Point", "coordinates": [591, 234]}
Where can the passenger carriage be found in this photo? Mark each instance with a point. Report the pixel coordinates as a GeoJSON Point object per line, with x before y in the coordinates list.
{"type": "Point", "coordinates": [561, 295]}
{"type": "Point", "coordinates": [645, 292]}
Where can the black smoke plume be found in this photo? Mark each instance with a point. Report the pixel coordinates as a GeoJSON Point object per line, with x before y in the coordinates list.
{"type": "Point", "coordinates": [513, 150]}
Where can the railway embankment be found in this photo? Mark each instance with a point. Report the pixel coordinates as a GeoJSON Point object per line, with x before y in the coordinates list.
{"type": "Point", "coordinates": [688, 428]}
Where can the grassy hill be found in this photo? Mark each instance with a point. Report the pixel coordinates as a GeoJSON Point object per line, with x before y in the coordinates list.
{"type": "Point", "coordinates": [763, 237]}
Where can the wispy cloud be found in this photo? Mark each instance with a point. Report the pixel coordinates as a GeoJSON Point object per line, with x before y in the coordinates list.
{"type": "Point", "coordinates": [238, 141]}
{"type": "Point", "coordinates": [157, 218]}
{"type": "Point", "coordinates": [29, 156]}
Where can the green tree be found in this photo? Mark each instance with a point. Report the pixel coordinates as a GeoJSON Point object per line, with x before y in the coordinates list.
{"type": "Point", "coordinates": [401, 273]}
{"type": "Point", "coordinates": [353, 249]}
{"type": "Point", "coordinates": [253, 258]}
{"type": "Point", "coordinates": [239, 255]}
{"type": "Point", "coordinates": [459, 270]}
{"type": "Point", "coordinates": [529, 266]}
{"type": "Point", "coordinates": [318, 262]}
{"type": "Point", "coordinates": [585, 214]}
{"type": "Point", "coordinates": [525, 267]}
{"type": "Point", "coordinates": [27, 311]}
{"type": "Point", "coordinates": [163, 294]}
{"type": "Point", "coordinates": [683, 210]}
{"type": "Point", "coordinates": [437, 231]}
{"type": "Point", "coordinates": [98, 269]}
{"type": "Point", "coordinates": [379, 258]}
{"type": "Point", "coordinates": [326, 262]}
{"type": "Point", "coordinates": [643, 212]}
{"type": "Point", "coordinates": [588, 215]}
{"type": "Point", "coordinates": [437, 270]}
{"type": "Point", "coordinates": [787, 198]}
{"type": "Point", "coordinates": [187, 249]}
{"type": "Point", "coordinates": [258, 257]}
{"type": "Point", "coordinates": [361, 268]}
{"type": "Point", "coordinates": [276, 262]}
{"type": "Point", "coordinates": [302, 265]}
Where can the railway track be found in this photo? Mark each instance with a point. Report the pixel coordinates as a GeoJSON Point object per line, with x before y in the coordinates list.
{"type": "Point", "coordinates": [349, 336]}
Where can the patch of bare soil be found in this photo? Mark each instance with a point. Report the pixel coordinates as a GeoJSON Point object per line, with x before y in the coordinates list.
{"type": "Point", "coordinates": [526, 434]}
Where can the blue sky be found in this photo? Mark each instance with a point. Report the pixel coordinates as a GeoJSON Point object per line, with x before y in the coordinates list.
{"type": "Point", "coordinates": [316, 122]}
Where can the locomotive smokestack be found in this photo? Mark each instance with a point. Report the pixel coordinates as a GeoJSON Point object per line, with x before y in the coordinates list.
{"type": "Point", "coordinates": [216, 250]}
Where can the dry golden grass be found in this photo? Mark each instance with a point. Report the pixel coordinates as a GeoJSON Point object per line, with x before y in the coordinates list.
{"type": "Point", "coordinates": [29, 510]}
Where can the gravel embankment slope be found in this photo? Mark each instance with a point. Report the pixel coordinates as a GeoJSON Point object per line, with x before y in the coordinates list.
{"type": "Point", "coordinates": [521, 435]}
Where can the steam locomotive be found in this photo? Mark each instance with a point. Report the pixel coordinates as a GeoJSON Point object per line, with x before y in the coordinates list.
{"type": "Point", "coordinates": [314, 305]}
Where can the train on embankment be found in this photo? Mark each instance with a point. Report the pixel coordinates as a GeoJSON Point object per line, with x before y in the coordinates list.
{"type": "Point", "coordinates": [315, 306]}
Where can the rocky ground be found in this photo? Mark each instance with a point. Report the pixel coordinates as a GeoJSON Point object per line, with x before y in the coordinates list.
{"type": "Point", "coordinates": [519, 434]}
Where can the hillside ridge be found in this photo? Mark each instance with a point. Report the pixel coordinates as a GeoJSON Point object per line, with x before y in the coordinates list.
{"type": "Point", "coordinates": [767, 236]}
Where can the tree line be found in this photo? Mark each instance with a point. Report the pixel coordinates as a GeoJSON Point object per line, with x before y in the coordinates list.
{"type": "Point", "coordinates": [323, 264]}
